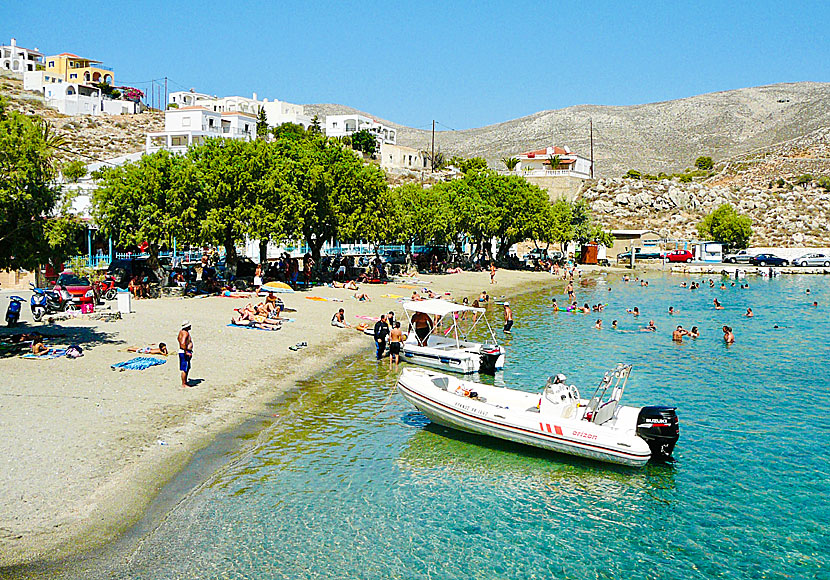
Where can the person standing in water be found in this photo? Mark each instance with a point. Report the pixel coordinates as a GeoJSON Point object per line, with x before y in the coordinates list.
{"type": "Point", "coordinates": [395, 344]}
{"type": "Point", "coordinates": [508, 318]}
{"type": "Point", "coordinates": [728, 335]}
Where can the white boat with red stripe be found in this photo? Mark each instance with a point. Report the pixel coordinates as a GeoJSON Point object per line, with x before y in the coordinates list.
{"type": "Point", "coordinates": [558, 419]}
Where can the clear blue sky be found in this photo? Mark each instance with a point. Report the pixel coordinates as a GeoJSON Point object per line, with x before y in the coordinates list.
{"type": "Point", "coordinates": [466, 64]}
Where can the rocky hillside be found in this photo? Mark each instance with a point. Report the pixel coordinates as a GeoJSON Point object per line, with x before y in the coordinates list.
{"type": "Point", "coordinates": [85, 137]}
{"type": "Point", "coordinates": [766, 185]}
{"type": "Point", "coordinates": [654, 137]}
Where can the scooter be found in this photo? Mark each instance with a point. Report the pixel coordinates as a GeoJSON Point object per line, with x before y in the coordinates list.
{"type": "Point", "coordinates": [13, 311]}
{"type": "Point", "coordinates": [107, 288]}
{"type": "Point", "coordinates": [45, 301]}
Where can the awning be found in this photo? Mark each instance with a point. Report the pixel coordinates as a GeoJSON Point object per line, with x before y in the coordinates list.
{"type": "Point", "coordinates": [437, 307]}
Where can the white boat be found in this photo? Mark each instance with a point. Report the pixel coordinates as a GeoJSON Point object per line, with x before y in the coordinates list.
{"type": "Point", "coordinates": [445, 346]}
{"type": "Point", "coordinates": [557, 419]}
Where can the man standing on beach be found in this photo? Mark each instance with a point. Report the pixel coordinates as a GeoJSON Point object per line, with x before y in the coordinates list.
{"type": "Point", "coordinates": [185, 351]}
{"type": "Point", "coordinates": [381, 332]}
{"type": "Point", "coordinates": [492, 272]}
{"type": "Point", "coordinates": [508, 318]}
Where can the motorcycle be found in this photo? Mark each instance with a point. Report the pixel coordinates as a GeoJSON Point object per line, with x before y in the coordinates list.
{"type": "Point", "coordinates": [13, 311]}
{"type": "Point", "coordinates": [45, 301]}
{"type": "Point", "coordinates": [107, 288]}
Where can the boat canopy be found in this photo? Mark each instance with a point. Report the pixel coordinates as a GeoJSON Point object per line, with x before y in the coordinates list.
{"type": "Point", "coordinates": [437, 307]}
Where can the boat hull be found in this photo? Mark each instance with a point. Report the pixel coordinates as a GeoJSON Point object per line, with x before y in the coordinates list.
{"type": "Point", "coordinates": [455, 361]}
{"type": "Point", "coordinates": [572, 437]}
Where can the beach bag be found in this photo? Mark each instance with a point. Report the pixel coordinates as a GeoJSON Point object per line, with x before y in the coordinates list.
{"type": "Point", "coordinates": [74, 351]}
{"type": "Point", "coordinates": [87, 308]}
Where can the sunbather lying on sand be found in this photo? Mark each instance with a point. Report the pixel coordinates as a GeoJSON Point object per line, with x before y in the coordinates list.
{"type": "Point", "coordinates": [257, 322]}
{"type": "Point", "coordinates": [149, 349]}
{"type": "Point", "coordinates": [350, 285]}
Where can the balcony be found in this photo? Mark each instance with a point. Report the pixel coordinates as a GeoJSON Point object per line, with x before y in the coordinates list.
{"type": "Point", "coordinates": [546, 173]}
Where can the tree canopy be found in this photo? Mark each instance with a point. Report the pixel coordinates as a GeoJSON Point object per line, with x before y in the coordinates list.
{"type": "Point", "coordinates": [727, 226]}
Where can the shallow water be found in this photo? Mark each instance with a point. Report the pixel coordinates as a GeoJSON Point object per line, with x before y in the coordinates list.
{"type": "Point", "coordinates": [351, 482]}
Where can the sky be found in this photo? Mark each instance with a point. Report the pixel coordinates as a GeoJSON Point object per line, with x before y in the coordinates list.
{"type": "Point", "coordinates": [463, 64]}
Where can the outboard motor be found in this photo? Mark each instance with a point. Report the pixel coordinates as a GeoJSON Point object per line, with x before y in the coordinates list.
{"type": "Point", "coordinates": [489, 357]}
{"type": "Point", "coordinates": [660, 428]}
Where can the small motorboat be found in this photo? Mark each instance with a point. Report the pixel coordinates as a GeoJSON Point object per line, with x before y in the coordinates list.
{"type": "Point", "coordinates": [443, 341]}
{"type": "Point", "coordinates": [558, 419]}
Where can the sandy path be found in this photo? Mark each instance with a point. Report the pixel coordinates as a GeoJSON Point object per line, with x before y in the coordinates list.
{"type": "Point", "coordinates": [87, 448]}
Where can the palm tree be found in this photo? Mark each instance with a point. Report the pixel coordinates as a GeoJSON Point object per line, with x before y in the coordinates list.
{"type": "Point", "coordinates": [510, 163]}
{"type": "Point", "coordinates": [555, 163]}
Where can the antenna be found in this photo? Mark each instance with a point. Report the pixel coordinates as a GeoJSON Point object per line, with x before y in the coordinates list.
{"type": "Point", "coordinates": [591, 125]}
{"type": "Point", "coordinates": [433, 145]}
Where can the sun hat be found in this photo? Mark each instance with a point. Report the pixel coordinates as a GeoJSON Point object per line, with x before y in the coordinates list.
{"type": "Point", "coordinates": [507, 303]}
{"type": "Point", "coordinates": [185, 324]}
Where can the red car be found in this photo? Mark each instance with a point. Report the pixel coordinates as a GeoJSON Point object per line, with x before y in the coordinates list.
{"type": "Point", "coordinates": [79, 288]}
{"type": "Point", "coordinates": [680, 256]}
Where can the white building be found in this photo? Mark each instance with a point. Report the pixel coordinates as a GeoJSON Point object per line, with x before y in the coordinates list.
{"type": "Point", "coordinates": [538, 163]}
{"type": "Point", "coordinates": [188, 126]}
{"type": "Point", "coordinates": [75, 98]}
{"type": "Point", "coordinates": [18, 59]}
{"type": "Point", "coordinates": [277, 112]}
{"type": "Point", "coordinates": [400, 157]}
{"type": "Point", "coordinates": [344, 125]}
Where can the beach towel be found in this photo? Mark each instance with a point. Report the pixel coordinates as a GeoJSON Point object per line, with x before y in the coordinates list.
{"type": "Point", "coordinates": [410, 286]}
{"type": "Point", "coordinates": [253, 327]}
{"type": "Point", "coordinates": [53, 353]}
{"type": "Point", "coordinates": [391, 296]}
{"type": "Point", "coordinates": [229, 294]}
{"type": "Point", "coordinates": [362, 317]}
{"type": "Point", "coordinates": [138, 363]}
{"type": "Point", "coordinates": [318, 298]}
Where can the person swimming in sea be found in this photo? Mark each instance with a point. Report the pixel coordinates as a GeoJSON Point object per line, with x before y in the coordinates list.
{"type": "Point", "coordinates": [718, 305]}
{"type": "Point", "coordinates": [650, 328]}
{"type": "Point", "coordinates": [614, 324]}
{"type": "Point", "coordinates": [635, 311]}
{"type": "Point", "coordinates": [598, 324]}
{"type": "Point", "coordinates": [749, 313]}
{"type": "Point", "coordinates": [671, 310]}
{"type": "Point", "coordinates": [728, 335]}
{"type": "Point", "coordinates": [694, 332]}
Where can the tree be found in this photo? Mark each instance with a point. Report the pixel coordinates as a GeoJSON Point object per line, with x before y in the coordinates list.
{"type": "Point", "coordinates": [584, 228]}
{"type": "Point", "coordinates": [365, 142]}
{"type": "Point", "coordinates": [145, 201]}
{"type": "Point", "coordinates": [727, 226]}
{"type": "Point", "coordinates": [804, 180]}
{"type": "Point", "coordinates": [74, 171]}
{"type": "Point", "coordinates": [262, 124]}
{"type": "Point", "coordinates": [316, 127]}
{"type": "Point", "coordinates": [32, 225]}
{"type": "Point", "coordinates": [555, 162]}
{"type": "Point", "coordinates": [561, 222]}
{"type": "Point", "coordinates": [704, 163]}
{"type": "Point", "coordinates": [510, 163]}
{"type": "Point", "coordinates": [467, 166]}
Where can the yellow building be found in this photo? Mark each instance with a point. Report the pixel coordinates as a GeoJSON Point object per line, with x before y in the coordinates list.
{"type": "Point", "coordinates": [75, 69]}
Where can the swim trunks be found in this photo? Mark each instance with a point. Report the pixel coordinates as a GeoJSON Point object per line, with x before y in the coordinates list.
{"type": "Point", "coordinates": [184, 362]}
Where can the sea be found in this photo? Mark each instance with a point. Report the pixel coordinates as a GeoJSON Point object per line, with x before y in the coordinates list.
{"type": "Point", "coordinates": [350, 481]}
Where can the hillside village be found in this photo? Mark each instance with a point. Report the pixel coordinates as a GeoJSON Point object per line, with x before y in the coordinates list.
{"type": "Point", "coordinates": [777, 184]}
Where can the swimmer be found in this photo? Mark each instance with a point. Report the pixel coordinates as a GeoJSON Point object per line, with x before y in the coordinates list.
{"type": "Point", "coordinates": [554, 304]}
{"type": "Point", "coordinates": [671, 309]}
{"type": "Point", "coordinates": [679, 333]}
{"type": "Point", "coordinates": [650, 328]}
{"type": "Point", "coordinates": [635, 312]}
{"type": "Point", "coordinates": [749, 313]}
{"type": "Point", "coordinates": [683, 285]}
{"type": "Point", "coordinates": [815, 304]}
{"type": "Point", "coordinates": [694, 332]}
{"type": "Point", "coordinates": [728, 335]}
{"type": "Point", "coordinates": [718, 305]}
{"type": "Point", "coordinates": [808, 290]}
{"type": "Point", "coordinates": [614, 324]}
{"type": "Point", "coordinates": [598, 325]}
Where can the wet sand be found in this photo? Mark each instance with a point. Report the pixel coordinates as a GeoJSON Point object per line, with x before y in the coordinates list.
{"type": "Point", "coordinates": [88, 448]}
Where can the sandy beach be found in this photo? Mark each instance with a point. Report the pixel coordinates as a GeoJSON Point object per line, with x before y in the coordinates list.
{"type": "Point", "coordinates": [88, 448]}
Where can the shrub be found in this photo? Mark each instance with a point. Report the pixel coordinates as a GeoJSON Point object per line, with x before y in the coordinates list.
{"type": "Point", "coordinates": [704, 163]}
{"type": "Point", "coordinates": [633, 174]}
{"type": "Point", "coordinates": [824, 183]}
{"type": "Point", "coordinates": [73, 171]}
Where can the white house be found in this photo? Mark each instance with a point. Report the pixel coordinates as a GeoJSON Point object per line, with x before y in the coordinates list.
{"type": "Point", "coordinates": [538, 163]}
{"type": "Point", "coordinates": [78, 99]}
{"type": "Point", "coordinates": [188, 126]}
{"type": "Point", "coordinates": [400, 157]}
{"type": "Point", "coordinates": [277, 112]}
{"type": "Point", "coordinates": [343, 125]}
{"type": "Point", "coordinates": [18, 59]}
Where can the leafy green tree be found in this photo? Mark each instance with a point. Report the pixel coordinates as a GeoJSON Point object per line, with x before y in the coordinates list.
{"type": "Point", "coordinates": [467, 166]}
{"type": "Point", "coordinates": [584, 228]}
{"type": "Point", "coordinates": [727, 226]}
{"type": "Point", "coordinates": [561, 222]}
{"type": "Point", "coordinates": [32, 225]}
{"type": "Point", "coordinates": [365, 142]}
{"type": "Point", "coordinates": [555, 162]}
{"type": "Point", "coordinates": [291, 130]}
{"type": "Point", "coordinates": [262, 124]}
{"type": "Point", "coordinates": [145, 201]}
{"type": "Point", "coordinates": [704, 163]}
{"type": "Point", "coordinates": [510, 163]}
{"type": "Point", "coordinates": [316, 126]}
{"type": "Point", "coordinates": [74, 171]}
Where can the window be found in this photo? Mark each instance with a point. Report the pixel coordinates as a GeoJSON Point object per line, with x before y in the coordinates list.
{"type": "Point", "coordinates": [51, 64]}
{"type": "Point", "coordinates": [178, 141]}
{"type": "Point", "coordinates": [73, 76]}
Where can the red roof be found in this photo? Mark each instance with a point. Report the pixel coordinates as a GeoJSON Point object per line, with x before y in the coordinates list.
{"type": "Point", "coordinates": [70, 55]}
{"type": "Point", "coordinates": [538, 152]}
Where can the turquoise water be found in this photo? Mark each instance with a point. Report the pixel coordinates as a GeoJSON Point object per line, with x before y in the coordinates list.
{"type": "Point", "coordinates": [353, 483]}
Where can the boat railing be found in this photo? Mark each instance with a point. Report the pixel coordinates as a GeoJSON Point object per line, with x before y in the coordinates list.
{"type": "Point", "coordinates": [600, 410]}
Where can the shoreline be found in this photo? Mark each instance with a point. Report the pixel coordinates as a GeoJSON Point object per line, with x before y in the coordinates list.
{"type": "Point", "coordinates": [201, 426]}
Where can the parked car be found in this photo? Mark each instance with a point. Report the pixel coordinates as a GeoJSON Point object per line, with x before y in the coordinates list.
{"type": "Point", "coordinates": [123, 270]}
{"type": "Point", "coordinates": [768, 260]}
{"type": "Point", "coordinates": [813, 260]}
{"type": "Point", "coordinates": [393, 257]}
{"type": "Point", "coordinates": [680, 256]}
{"type": "Point", "coordinates": [536, 254]}
{"type": "Point", "coordinates": [740, 257]}
{"type": "Point", "coordinates": [78, 287]}
{"type": "Point", "coordinates": [640, 254]}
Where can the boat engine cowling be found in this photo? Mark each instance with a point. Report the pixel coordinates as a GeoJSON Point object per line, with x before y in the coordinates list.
{"type": "Point", "coordinates": [489, 358]}
{"type": "Point", "coordinates": [660, 428]}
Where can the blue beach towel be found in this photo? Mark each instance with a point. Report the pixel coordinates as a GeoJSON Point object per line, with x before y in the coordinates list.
{"type": "Point", "coordinates": [139, 363]}
{"type": "Point", "coordinates": [53, 353]}
{"type": "Point", "coordinates": [253, 327]}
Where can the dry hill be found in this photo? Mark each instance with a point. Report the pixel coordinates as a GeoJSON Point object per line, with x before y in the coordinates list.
{"type": "Point", "coordinates": [654, 137]}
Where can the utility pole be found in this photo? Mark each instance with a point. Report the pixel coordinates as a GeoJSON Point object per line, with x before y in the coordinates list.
{"type": "Point", "coordinates": [165, 93]}
{"type": "Point", "coordinates": [591, 124]}
{"type": "Point", "coordinates": [433, 145]}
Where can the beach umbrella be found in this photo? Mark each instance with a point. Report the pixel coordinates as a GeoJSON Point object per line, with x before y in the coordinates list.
{"type": "Point", "coordinates": [276, 287]}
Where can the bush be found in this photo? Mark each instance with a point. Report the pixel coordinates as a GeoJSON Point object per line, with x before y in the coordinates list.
{"type": "Point", "coordinates": [704, 163]}
{"type": "Point", "coordinates": [73, 171]}
{"type": "Point", "coordinates": [824, 183]}
{"type": "Point", "coordinates": [804, 180]}
{"type": "Point", "coordinates": [633, 174]}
